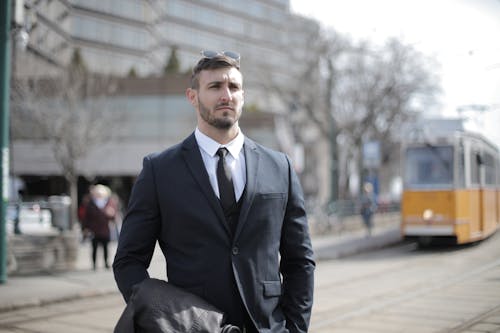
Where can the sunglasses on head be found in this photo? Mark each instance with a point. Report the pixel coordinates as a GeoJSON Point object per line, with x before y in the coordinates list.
{"type": "Point", "coordinates": [212, 54]}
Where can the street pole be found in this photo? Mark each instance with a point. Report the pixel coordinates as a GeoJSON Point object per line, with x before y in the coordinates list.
{"type": "Point", "coordinates": [4, 130]}
{"type": "Point", "coordinates": [334, 167]}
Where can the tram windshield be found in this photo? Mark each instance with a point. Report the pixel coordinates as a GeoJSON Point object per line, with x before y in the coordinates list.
{"type": "Point", "coordinates": [429, 166]}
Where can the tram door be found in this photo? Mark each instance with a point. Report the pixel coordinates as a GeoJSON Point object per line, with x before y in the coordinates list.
{"type": "Point", "coordinates": [483, 187]}
{"type": "Point", "coordinates": [475, 194]}
{"type": "Point", "coordinates": [488, 195]}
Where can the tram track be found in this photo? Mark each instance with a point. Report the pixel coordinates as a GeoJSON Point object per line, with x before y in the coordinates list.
{"type": "Point", "coordinates": [471, 322]}
{"type": "Point", "coordinates": [48, 311]}
{"type": "Point", "coordinates": [422, 290]}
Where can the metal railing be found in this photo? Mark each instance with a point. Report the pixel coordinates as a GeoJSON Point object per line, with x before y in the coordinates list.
{"type": "Point", "coordinates": [39, 215]}
{"type": "Point", "coordinates": [341, 215]}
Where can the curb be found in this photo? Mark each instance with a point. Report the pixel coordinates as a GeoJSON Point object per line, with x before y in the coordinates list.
{"type": "Point", "coordinates": [24, 304]}
{"type": "Point", "coordinates": [356, 245]}
{"type": "Point", "coordinates": [82, 293]}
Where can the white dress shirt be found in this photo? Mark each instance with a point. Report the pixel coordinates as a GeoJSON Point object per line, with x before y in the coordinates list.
{"type": "Point", "coordinates": [235, 160]}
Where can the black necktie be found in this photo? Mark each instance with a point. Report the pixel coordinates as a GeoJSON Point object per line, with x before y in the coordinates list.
{"type": "Point", "coordinates": [224, 179]}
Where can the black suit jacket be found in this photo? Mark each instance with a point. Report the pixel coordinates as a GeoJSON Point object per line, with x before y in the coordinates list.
{"type": "Point", "coordinates": [266, 267]}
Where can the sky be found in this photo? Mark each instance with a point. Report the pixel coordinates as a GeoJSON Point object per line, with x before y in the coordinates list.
{"type": "Point", "coordinates": [462, 35]}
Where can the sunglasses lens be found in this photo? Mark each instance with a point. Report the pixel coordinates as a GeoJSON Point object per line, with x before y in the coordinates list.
{"type": "Point", "coordinates": [232, 55]}
{"type": "Point", "coordinates": [209, 54]}
{"type": "Point", "coordinates": [212, 54]}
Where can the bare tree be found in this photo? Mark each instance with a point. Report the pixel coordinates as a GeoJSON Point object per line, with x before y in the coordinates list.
{"type": "Point", "coordinates": [352, 92]}
{"type": "Point", "coordinates": [70, 112]}
{"type": "Point", "coordinates": [309, 95]}
{"type": "Point", "coordinates": [380, 90]}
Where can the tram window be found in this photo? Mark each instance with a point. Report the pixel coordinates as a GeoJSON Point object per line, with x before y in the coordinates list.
{"type": "Point", "coordinates": [475, 163]}
{"type": "Point", "coordinates": [429, 166]}
{"type": "Point", "coordinates": [498, 172]}
{"type": "Point", "coordinates": [489, 169]}
{"type": "Point", "coordinates": [461, 166]}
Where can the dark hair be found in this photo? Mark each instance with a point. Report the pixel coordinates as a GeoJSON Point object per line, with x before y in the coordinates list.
{"type": "Point", "coordinates": [219, 61]}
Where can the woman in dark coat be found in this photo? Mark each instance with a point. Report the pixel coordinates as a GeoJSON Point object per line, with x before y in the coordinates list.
{"type": "Point", "coordinates": [97, 211]}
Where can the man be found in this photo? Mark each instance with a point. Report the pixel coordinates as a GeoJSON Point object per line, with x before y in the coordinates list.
{"type": "Point", "coordinates": [245, 250]}
{"type": "Point", "coordinates": [368, 207]}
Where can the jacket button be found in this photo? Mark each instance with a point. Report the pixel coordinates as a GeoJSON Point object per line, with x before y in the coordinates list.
{"type": "Point", "coordinates": [235, 250]}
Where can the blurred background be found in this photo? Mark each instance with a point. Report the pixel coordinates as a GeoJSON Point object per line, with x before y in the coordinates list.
{"type": "Point", "coordinates": [95, 85]}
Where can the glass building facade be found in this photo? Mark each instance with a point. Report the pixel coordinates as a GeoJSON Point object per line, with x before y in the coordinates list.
{"type": "Point", "coordinates": [116, 36]}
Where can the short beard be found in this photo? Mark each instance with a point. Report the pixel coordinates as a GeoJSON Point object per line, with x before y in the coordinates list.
{"type": "Point", "coordinates": [219, 123]}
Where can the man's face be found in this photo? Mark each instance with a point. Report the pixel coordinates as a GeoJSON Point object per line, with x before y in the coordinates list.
{"type": "Point", "coordinates": [219, 98]}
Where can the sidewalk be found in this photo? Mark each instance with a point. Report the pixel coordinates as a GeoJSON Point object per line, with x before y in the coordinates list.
{"type": "Point", "coordinates": [26, 291]}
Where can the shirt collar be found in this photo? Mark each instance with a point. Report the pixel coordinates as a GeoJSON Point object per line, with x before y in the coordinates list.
{"type": "Point", "coordinates": [210, 146]}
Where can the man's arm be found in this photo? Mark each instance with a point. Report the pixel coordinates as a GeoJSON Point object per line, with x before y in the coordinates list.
{"type": "Point", "coordinates": [297, 263]}
{"type": "Point", "coordinates": [138, 234]}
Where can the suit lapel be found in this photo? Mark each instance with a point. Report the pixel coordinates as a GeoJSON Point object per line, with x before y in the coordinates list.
{"type": "Point", "coordinates": [195, 164]}
{"type": "Point", "coordinates": [252, 164]}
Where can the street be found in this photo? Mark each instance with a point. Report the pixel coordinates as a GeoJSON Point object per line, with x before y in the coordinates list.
{"type": "Point", "coordinates": [403, 289]}
{"type": "Point", "coordinates": [397, 289]}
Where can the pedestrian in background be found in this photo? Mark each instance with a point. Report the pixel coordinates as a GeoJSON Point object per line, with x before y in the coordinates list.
{"type": "Point", "coordinates": [368, 207]}
{"type": "Point", "coordinates": [227, 213]}
{"type": "Point", "coordinates": [98, 210]}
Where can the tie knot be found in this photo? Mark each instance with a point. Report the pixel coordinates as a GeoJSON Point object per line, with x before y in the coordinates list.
{"type": "Point", "coordinates": [222, 152]}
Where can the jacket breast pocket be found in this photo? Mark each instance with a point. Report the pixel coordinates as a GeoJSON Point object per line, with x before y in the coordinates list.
{"type": "Point", "coordinates": [272, 200]}
{"type": "Point", "coordinates": [267, 196]}
{"type": "Point", "coordinates": [269, 208]}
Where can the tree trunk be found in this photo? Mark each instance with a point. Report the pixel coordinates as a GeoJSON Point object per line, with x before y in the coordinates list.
{"type": "Point", "coordinates": [73, 194]}
{"type": "Point", "coordinates": [361, 169]}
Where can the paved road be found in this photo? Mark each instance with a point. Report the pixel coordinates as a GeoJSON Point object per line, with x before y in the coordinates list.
{"type": "Point", "coordinates": [398, 289]}
{"type": "Point", "coordinates": [403, 289]}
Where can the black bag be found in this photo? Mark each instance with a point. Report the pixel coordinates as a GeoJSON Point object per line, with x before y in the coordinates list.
{"type": "Point", "coordinates": [157, 306]}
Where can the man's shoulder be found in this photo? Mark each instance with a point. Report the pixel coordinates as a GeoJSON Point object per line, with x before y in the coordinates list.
{"type": "Point", "coordinates": [267, 151]}
{"type": "Point", "coordinates": [165, 154]}
{"type": "Point", "coordinates": [170, 153]}
{"type": "Point", "coordinates": [270, 157]}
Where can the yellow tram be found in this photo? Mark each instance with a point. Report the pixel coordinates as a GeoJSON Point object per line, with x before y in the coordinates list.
{"type": "Point", "coordinates": [451, 188]}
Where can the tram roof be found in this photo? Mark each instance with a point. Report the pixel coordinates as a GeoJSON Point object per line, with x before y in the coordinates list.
{"type": "Point", "coordinates": [442, 131]}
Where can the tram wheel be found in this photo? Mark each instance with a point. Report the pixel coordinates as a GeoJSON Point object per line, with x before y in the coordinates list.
{"type": "Point", "coordinates": [424, 242]}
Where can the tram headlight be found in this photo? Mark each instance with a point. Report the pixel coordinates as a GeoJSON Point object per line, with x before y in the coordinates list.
{"type": "Point", "coordinates": [428, 214]}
